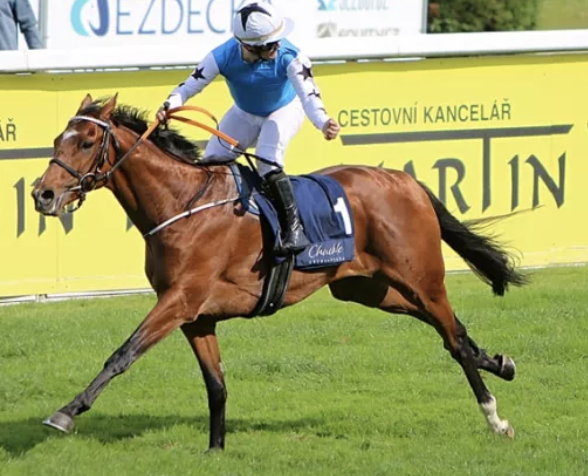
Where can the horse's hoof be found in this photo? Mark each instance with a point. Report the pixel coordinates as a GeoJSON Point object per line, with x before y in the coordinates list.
{"type": "Point", "coordinates": [60, 421]}
{"type": "Point", "coordinates": [507, 368]}
{"type": "Point", "coordinates": [510, 432]}
{"type": "Point", "coordinates": [503, 428]}
{"type": "Point", "coordinates": [214, 451]}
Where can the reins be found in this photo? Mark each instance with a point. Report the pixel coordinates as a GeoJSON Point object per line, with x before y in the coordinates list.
{"type": "Point", "coordinates": [221, 135]}
{"type": "Point", "coordinates": [89, 180]}
{"type": "Point", "coordinates": [215, 131]}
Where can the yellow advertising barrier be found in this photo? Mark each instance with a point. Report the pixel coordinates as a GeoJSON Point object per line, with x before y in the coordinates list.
{"type": "Point", "coordinates": [490, 136]}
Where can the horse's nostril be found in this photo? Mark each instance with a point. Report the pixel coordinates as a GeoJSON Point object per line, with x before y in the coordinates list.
{"type": "Point", "coordinates": [47, 196]}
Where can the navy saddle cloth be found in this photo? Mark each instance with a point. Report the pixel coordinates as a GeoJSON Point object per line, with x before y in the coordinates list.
{"type": "Point", "coordinates": [324, 212]}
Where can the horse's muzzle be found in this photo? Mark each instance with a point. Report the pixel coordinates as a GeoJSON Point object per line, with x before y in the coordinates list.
{"type": "Point", "coordinates": [45, 201]}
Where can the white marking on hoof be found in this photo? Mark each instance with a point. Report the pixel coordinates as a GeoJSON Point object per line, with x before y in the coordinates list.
{"type": "Point", "coordinates": [498, 426]}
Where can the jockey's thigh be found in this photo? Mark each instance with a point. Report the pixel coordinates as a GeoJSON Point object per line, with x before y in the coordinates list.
{"type": "Point", "coordinates": [239, 125]}
{"type": "Point", "coordinates": [277, 131]}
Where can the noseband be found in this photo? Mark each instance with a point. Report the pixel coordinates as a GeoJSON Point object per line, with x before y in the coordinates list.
{"type": "Point", "coordinates": [88, 181]}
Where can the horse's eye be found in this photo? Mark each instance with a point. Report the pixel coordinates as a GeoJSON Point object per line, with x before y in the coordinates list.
{"type": "Point", "coordinates": [87, 144]}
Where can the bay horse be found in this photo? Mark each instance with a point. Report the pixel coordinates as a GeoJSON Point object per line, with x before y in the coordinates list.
{"type": "Point", "coordinates": [210, 267]}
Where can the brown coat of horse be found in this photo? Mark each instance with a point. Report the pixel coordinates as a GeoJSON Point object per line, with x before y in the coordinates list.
{"type": "Point", "coordinates": [210, 267]}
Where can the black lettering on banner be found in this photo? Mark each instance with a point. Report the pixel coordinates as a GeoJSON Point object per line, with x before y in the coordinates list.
{"type": "Point", "coordinates": [343, 118]}
{"type": "Point", "coordinates": [466, 113]}
{"type": "Point", "coordinates": [8, 131]}
{"type": "Point", "coordinates": [11, 132]}
{"type": "Point", "coordinates": [439, 117]}
{"type": "Point", "coordinates": [67, 222]}
{"type": "Point", "coordinates": [378, 116]}
{"type": "Point", "coordinates": [452, 114]}
{"type": "Point", "coordinates": [442, 165]}
{"type": "Point", "coordinates": [409, 169]}
{"type": "Point", "coordinates": [475, 112]}
{"type": "Point", "coordinates": [365, 117]}
{"type": "Point", "coordinates": [540, 174]}
{"type": "Point", "coordinates": [20, 207]}
{"type": "Point", "coordinates": [427, 114]}
{"type": "Point", "coordinates": [407, 116]}
{"type": "Point", "coordinates": [514, 182]}
{"type": "Point", "coordinates": [386, 117]}
{"type": "Point", "coordinates": [506, 111]}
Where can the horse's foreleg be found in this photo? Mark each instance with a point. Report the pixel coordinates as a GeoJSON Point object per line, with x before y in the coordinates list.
{"type": "Point", "coordinates": [166, 316]}
{"type": "Point", "coordinates": [201, 336]}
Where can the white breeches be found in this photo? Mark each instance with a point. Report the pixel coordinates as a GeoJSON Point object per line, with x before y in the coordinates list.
{"type": "Point", "coordinates": [272, 133]}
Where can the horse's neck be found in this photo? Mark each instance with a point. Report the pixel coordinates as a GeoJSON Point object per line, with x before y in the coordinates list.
{"type": "Point", "coordinates": [150, 186]}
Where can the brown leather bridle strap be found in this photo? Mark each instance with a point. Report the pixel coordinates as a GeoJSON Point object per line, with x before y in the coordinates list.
{"type": "Point", "coordinates": [106, 175]}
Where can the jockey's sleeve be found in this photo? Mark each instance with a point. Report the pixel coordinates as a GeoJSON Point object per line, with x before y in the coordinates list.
{"type": "Point", "coordinates": [201, 77]}
{"type": "Point", "coordinates": [300, 74]}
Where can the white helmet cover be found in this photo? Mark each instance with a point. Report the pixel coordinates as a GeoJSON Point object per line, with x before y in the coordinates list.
{"type": "Point", "coordinates": [260, 23]}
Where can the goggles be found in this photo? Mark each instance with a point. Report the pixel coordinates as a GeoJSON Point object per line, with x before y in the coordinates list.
{"type": "Point", "coordinates": [268, 46]}
{"type": "Point", "coordinates": [263, 48]}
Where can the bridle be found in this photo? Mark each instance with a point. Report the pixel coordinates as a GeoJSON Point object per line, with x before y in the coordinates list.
{"type": "Point", "coordinates": [89, 180]}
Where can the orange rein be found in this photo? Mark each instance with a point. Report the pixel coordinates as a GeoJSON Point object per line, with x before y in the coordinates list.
{"type": "Point", "coordinates": [171, 115]}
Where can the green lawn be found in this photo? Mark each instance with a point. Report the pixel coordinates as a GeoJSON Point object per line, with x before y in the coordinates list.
{"type": "Point", "coordinates": [323, 388]}
{"type": "Point", "coordinates": [563, 14]}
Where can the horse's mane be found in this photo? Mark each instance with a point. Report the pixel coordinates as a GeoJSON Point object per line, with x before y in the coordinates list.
{"type": "Point", "coordinates": [168, 140]}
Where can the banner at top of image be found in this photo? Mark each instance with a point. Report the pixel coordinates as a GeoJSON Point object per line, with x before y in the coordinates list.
{"type": "Point", "coordinates": [107, 23]}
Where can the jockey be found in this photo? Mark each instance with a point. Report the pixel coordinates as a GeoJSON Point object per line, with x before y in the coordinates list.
{"type": "Point", "coordinates": [273, 86]}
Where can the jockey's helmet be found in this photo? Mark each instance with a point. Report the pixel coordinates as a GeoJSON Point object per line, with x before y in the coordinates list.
{"type": "Point", "coordinates": [259, 24]}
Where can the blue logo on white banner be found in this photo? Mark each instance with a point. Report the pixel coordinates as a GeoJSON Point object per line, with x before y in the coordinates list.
{"type": "Point", "coordinates": [352, 5]}
{"type": "Point", "coordinates": [77, 14]}
{"type": "Point", "coordinates": [152, 17]}
{"type": "Point", "coordinates": [327, 5]}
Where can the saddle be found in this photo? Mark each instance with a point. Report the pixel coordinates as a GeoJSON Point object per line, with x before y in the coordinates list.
{"type": "Point", "coordinates": [327, 219]}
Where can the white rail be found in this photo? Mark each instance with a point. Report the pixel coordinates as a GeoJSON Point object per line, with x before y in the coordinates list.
{"type": "Point", "coordinates": [329, 49]}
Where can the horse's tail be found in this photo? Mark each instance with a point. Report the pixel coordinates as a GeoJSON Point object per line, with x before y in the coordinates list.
{"type": "Point", "coordinates": [487, 259]}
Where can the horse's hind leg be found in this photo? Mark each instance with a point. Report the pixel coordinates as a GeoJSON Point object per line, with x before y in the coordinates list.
{"type": "Point", "coordinates": [202, 338]}
{"type": "Point", "coordinates": [437, 309]}
{"type": "Point", "coordinates": [373, 292]}
{"type": "Point", "coordinates": [391, 294]}
{"type": "Point", "coordinates": [163, 319]}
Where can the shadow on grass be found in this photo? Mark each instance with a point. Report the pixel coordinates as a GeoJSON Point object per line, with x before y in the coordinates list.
{"type": "Point", "coordinates": [18, 437]}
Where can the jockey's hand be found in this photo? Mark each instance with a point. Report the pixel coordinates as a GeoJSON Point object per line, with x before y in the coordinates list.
{"type": "Point", "coordinates": [331, 129]}
{"type": "Point", "coordinates": [162, 113]}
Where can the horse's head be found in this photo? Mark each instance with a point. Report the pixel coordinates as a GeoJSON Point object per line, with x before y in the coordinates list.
{"type": "Point", "coordinates": [80, 154]}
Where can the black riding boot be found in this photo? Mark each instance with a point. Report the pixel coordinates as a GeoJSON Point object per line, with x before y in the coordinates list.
{"type": "Point", "coordinates": [293, 238]}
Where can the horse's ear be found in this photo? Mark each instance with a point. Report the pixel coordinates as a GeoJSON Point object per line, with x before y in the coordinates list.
{"type": "Point", "coordinates": [86, 102]}
{"type": "Point", "coordinates": [109, 107]}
